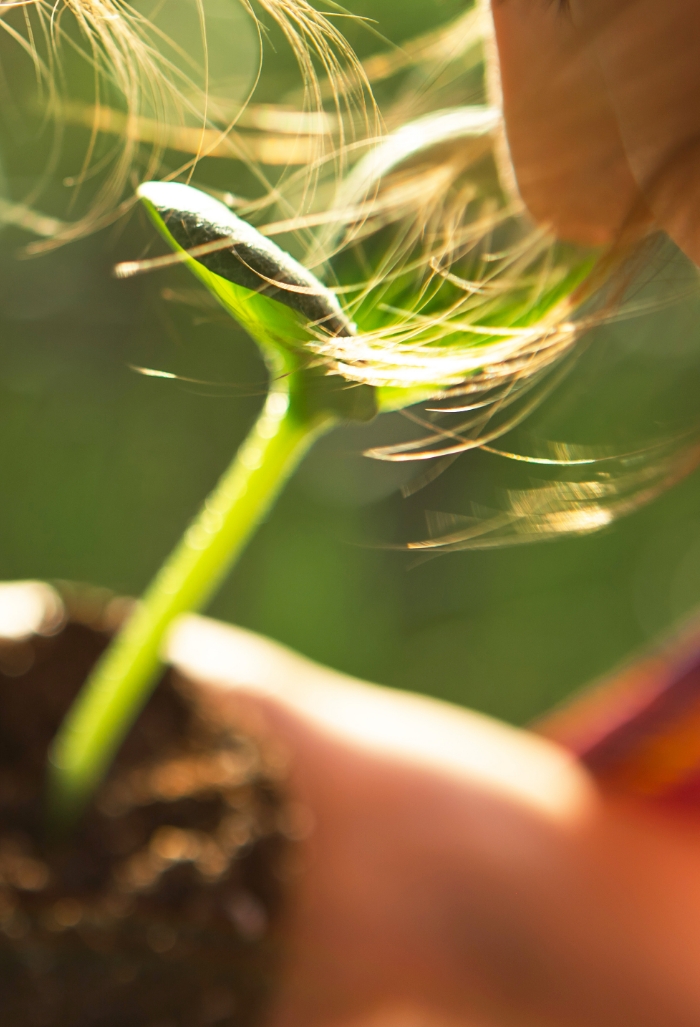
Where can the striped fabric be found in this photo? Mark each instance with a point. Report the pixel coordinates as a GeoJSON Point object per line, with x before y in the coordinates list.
{"type": "Point", "coordinates": [638, 730]}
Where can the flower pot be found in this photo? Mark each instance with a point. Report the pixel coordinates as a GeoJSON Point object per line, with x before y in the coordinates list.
{"type": "Point", "coordinates": [161, 909]}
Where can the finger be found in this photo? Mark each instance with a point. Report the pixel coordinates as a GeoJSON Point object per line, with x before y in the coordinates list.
{"type": "Point", "coordinates": [438, 891]}
{"type": "Point", "coordinates": [404, 794]}
{"type": "Point", "coordinates": [270, 678]}
{"type": "Point", "coordinates": [649, 54]}
{"type": "Point", "coordinates": [564, 140]}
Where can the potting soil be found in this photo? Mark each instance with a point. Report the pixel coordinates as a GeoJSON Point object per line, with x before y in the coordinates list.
{"type": "Point", "coordinates": [162, 909]}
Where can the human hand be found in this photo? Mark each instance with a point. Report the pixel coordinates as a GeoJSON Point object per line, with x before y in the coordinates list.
{"type": "Point", "coordinates": [602, 107]}
{"type": "Point", "coordinates": [456, 871]}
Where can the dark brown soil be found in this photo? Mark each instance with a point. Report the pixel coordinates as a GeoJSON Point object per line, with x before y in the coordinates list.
{"type": "Point", "coordinates": [163, 909]}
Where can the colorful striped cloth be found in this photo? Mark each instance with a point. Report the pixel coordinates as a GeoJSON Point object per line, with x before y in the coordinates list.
{"type": "Point", "coordinates": [638, 730]}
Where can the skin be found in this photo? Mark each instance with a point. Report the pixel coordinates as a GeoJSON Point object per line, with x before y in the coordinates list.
{"type": "Point", "coordinates": [602, 114]}
{"type": "Point", "coordinates": [452, 870]}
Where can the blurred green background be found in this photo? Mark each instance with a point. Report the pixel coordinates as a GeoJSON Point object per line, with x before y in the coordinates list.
{"type": "Point", "coordinates": [101, 467]}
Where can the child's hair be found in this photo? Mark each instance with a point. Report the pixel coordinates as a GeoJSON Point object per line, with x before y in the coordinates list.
{"type": "Point", "coordinates": [152, 95]}
{"type": "Point", "coordinates": [408, 208]}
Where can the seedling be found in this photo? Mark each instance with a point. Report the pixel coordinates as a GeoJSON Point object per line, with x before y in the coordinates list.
{"type": "Point", "coordinates": [451, 339]}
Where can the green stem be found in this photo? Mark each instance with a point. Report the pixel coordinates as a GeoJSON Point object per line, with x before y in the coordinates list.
{"type": "Point", "coordinates": [122, 681]}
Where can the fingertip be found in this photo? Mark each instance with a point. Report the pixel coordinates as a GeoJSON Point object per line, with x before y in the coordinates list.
{"type": "Point", "coordinates": [228, 657]}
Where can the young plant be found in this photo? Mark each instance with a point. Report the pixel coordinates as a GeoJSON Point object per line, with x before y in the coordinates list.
{"type": "Point", "coordinates": [451, 338]}
{"type": "Point", "coordinates": [301, 405]}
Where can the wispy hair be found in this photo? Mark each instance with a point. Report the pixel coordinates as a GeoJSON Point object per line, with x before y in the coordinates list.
{"type": "Point", "coordinates": [402, 197]}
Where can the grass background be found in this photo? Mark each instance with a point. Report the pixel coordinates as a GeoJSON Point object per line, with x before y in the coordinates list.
{"type": "Point", "coordinates": [100, 468]}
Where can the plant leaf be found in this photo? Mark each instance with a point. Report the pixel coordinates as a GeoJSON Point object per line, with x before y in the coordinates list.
{"type": "Point", "coordinates": [277, 300]}
{"type": "Point", "coordinates": [281, 304]}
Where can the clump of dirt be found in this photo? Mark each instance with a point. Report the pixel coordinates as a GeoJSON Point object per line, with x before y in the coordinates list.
{"type": "Point", "coordinates": [163, 909]}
